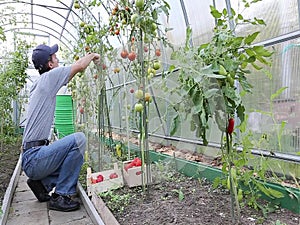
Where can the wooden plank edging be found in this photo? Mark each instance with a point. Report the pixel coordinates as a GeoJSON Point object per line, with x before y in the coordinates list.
{"type": "Point", "coordinates": [92, 212]}
{"type": "Point", "coordinates": [10, 192]}
{"type": "Point", "coordinates": [103, 210]}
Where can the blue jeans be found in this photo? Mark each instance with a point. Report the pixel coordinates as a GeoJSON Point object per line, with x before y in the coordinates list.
{"type": "Point", "coordinates": [58, 164]}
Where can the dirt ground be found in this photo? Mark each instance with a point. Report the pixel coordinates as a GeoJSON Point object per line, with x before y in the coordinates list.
{"type": "Point", "coordinates": [186, 201]}
{"type": "Point", "coordinates": [9, 156]}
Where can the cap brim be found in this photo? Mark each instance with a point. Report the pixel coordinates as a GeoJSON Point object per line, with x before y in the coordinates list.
{"type": "Point", "coordinates": [54, 49]}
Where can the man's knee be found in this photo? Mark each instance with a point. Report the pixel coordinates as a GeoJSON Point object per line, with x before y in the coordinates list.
{"type": "Point", "coordinates": [80, 141]}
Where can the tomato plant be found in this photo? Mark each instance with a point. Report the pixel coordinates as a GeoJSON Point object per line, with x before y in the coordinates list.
{"type": "Point", "coordinates": [13, 78]}
{"type": "Point", "coordinates": [209, 84]}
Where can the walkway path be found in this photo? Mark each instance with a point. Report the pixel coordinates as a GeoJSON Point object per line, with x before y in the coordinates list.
{"type": "Point", "coordinates": [26, 210]}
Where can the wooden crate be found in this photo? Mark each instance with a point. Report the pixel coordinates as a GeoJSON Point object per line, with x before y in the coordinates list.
{"type": "Point", "coordinates": [133, 176]}
{"type": "Point", "coordinates": [107, 184]}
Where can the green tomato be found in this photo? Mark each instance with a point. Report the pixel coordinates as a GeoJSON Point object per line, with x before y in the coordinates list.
{"type": "Point", "coordinates": [230, 80]}
{"type": "Point", "coordinates": [240, 195]}
{"type": "Point", "coordinates": [156, 66]}
{"type": "Point", "coordinates": [134, 17]}
{"type": "Point", "coordinates": [153, 27]}
{"type": "Point", "coordinates": [138, 107]}
{"type": "Point", "coordinates": [228, 183]}
{"type": "Point", "coordinates": [139, 4]}
{"type": "Point", "coordinates": [82, 24]}
{"type": "Point", "coordinates": [151, 70]}
{"type": "Point", "coordinates": [222, 70]}
{"type": "Point", "coordinates": [139, 94]}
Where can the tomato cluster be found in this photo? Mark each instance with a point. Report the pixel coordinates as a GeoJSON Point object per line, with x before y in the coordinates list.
{"type": "Point", "coordinates": [100, 178]}
{"type": "Point", "coordinates": [134, 163]}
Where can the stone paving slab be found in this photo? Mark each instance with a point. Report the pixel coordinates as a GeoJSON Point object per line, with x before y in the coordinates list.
{"type": "Point", "coordinates": [25, 209]}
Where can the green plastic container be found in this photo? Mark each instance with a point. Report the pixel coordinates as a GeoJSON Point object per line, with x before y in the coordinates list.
{"type": "Point", "coordinates": [64, 116]}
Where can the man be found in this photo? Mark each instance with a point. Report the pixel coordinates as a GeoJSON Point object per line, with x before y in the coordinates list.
{"type": "Point", "coordinates": [56, 165]}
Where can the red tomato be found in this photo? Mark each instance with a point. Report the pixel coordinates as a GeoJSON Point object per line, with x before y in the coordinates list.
{"type": "Point", "coordinates": [113, 176]}
{"type": "Point", "coordinates": [81, 110]}
{"type": "Point", "coordinates": [132, 56]}
{"type": "Point", "coordinates": [128, 166]}
{"type": "Point", "coordinates": [124, 54]}
{"type": "Point", "coordinates": [100, 178]}
{"type": "Point", "coordinates": [137, 161]}
{"type": "Point", "coordinates": [157, 52]}
{"type": "Point", "coordinates": [230, 126]}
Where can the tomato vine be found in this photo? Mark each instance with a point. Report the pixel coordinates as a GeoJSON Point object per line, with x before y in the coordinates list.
{"type": "Point", "coordinates": [212, 80]}
{"type": "Point", "coordinates": [13, 77]}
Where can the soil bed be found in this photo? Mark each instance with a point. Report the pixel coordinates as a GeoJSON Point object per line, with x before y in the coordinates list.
{"type": "Point", "coordinates": [183, 201]}
{"type": "Point", "coordinates": [9, 156]}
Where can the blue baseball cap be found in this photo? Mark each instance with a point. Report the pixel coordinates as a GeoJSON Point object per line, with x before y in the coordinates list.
{"type": "Point", "coordinates": [41, 55]}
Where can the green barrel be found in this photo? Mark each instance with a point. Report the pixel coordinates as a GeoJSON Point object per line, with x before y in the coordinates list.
{"type": "Point", "coordinates": [64, 116]}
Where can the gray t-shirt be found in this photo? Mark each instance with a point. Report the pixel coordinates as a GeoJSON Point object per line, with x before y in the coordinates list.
{"type": "Point", "coordinates": [42, 103]}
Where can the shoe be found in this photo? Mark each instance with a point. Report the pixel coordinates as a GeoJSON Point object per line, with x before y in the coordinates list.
{"type": "Point", "coordinates": [63, 203]}
{"type": "Point", "coordinates": [38, 190]}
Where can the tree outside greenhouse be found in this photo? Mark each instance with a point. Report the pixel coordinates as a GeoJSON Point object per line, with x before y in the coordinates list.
{"type": "Point", "coordinates": [220, 106]}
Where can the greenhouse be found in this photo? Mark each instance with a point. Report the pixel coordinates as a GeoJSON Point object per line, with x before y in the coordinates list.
{"type": "Point", "coordinates": [150, 112]}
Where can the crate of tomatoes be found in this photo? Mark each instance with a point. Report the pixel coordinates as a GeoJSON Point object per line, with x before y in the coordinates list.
{"type": "Point", "coordinates": [104, 181]}
{"type": "Point", "coordinates": [132, 172]}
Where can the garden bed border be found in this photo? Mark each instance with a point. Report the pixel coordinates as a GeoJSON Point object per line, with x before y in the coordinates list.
{"type": "Point", "coordinates": [9, 193]}
{"type": "Point", "coordinates": [290, 201]}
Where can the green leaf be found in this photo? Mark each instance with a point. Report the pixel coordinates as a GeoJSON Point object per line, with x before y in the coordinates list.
{"type": "Point", "coordinates": [251, 59]}
{"type": "Point", "coordinates": [262, 60]}
{"type": "Point", "coordinates": [250, 52]}
{"type": "Point", "coordinates": [264, 112]}
{"type": "Point", "coordinates": [175, 124]}
{"type": "Point", "coordinates": [188, 37]}
{"type": "Point", "coordinates": [259, 21]}
{"type": "Point", "coordinates": [260, 50]}
{"type": "Point", "coordinates": [269, 191]}
{"type": "Point", "coordinates": [277, 93]}
{"type": "Point", "coordinates": [257, 67]}
{"type": "Point", "coordinates": [241, 112]}
{"type": "Point", "coordinates": [282, 126]}
{"type": "Point", "coordinates": [193, 125]}
{"type": "Point", "coordinates": [250, 38]}
{"type": "Point", "coordinates": [215, 13]}
{"type": "Point", "coordinates": [211, 92]}
{"type": "Point", "coordinates": [237, 41]}
{"type": "Point", "coordinates": [240, 17]}
{"type": "Point", "coordinates": [224, 12]}
{"type": "Point", "coordinates": [268, 74]}
{"type": "Point", "coordinates": [180, 196]}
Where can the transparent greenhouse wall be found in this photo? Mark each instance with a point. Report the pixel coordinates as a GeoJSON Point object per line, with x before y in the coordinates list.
{"type": "Point", "coordinates": [285, 72]}
{"type": "Point", "coordinates": [281, 17]}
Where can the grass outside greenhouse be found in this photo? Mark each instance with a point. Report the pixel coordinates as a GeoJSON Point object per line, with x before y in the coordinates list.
{"type": "Point", "coordinates": [190, 118]}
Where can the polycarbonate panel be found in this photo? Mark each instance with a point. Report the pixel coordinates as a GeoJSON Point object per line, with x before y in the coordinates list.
{"type": "Point", "coordinates": [285, 107]}
{"type": "Point", "coordinates": [280, 16]}
{"type": "Point", "coordinates": [41, 18]}
{"type": "Point", "coordinates": [176, 22]}
{"type": "Point", "coordinates": [200, 20]}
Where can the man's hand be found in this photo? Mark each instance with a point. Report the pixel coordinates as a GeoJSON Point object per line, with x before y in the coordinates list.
{"type": "Point", "coordinates": [96, 59]}
{"type": "Point", "coordinates": [81, 64]}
